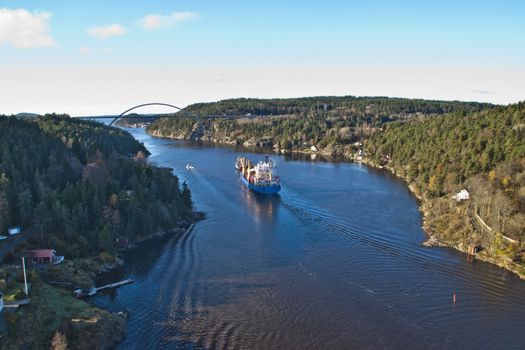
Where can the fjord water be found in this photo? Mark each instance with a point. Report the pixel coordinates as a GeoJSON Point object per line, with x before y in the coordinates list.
{"type": "Point", "coordinates": [334, 261]}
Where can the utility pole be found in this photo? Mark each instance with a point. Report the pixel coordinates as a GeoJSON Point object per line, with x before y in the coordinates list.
{"type": "Point", "coordinates": [25, 278]}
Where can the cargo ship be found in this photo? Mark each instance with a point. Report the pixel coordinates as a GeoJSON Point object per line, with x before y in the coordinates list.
{"type": "Point", "coordinates": [260, 177]}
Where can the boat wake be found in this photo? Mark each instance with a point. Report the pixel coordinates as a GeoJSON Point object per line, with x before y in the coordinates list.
{"type": "Point", "coordinates": [390, 244]}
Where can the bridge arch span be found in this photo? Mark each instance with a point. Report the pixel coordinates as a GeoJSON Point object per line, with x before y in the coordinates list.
{"type": "Point", "coordinates": [144, 105]}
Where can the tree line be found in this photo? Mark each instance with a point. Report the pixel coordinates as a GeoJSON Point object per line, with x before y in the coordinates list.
{"type": "Point", "coordinates": [331, 105]}
{"type": "Point", "coordinates": [293, 124]}
{"type": "Point", "coordinates": [83, 185]}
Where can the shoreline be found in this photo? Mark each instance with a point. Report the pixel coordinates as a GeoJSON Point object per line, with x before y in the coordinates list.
{"type": "Point", "coordinates": [431, 239]}
{"type": "Point", "coordinates": [330, 156]}
{"type": "Point", "coordinates": [84, 324]}
{"type": "Point", "coordinates": [120, 262]}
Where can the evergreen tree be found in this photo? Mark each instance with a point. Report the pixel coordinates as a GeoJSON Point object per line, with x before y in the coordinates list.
{"type": "Point", "coordinates": [186, 197]}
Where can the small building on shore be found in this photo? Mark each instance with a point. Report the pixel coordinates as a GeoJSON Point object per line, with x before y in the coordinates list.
{"type": "Point", "coordinates": [14, 230]}
{"type": "Point", "coordinates": [44, 256]}
{"type": "Point", "coordinates": [462, 195]}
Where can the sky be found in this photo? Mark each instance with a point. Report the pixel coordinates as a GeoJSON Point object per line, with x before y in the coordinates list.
{"type": "Point", "coordinates": [102, 57]}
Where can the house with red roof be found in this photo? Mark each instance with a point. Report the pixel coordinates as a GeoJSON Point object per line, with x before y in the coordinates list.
{"type": "Point", "coordinates": [44, 256]}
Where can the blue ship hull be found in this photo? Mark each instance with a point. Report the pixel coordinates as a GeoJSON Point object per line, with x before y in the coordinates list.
{"type": "Point", "coordinates": [261, 189]}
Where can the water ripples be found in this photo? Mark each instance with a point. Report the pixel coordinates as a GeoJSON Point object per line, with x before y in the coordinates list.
{"type": "Point", "coordinates": [310, 269]}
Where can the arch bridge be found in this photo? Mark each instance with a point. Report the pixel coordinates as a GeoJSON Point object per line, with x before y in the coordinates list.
{"type": "Point", "coordinates": [122, 115]}
{"type": "Point", "coordinates": [142, 105]}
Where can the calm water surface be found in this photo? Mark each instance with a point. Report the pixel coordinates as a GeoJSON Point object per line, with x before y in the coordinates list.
{"type": "Point", "coordinates": [334, 261]}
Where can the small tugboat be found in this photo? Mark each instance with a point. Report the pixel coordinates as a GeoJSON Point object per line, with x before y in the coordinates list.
{"type": "Point", "coordinates": [260, 177]}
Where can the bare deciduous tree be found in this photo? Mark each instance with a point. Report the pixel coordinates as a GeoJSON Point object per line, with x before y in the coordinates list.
{"type": "Point", "coordinates": [59, 341]}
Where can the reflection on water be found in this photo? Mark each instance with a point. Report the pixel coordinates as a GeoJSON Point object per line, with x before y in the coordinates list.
{"type": "Point", "coordinates": [333, 261]}
{"type": "Point", "coordinates": [262, 207]}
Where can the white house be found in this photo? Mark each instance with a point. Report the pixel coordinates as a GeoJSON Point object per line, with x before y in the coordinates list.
{"type": "Point", "coordinates": [461, 195]}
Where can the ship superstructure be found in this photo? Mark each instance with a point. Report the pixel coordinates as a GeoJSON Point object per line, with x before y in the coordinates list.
{"type": "Point", "coordinates": [260, 177]}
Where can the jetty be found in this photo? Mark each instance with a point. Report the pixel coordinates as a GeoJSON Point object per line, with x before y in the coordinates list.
{"type": "Point", "coordinates": [16, 303]}
{"type": "Point", "coordinates": [115, 285]}
{"type": "Point", "coordinates": [80, 293]}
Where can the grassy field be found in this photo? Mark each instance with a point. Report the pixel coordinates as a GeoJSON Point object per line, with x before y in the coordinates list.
{"type": "Point", "coordinates": [52, 309]}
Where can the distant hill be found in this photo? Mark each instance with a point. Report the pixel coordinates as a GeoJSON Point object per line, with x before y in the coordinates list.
{"type": "Point", "coordinates": [134, 119]}
{"type": "Point", "coordinates": [332, 105]}
{"type": "Point", "coordinates": [327, 123]}
{"type": "Point", "coordinates": [25, 115]}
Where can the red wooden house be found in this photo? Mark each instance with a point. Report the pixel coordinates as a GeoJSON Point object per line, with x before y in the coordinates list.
{"type": "Point", "coordinates": [44, 256]}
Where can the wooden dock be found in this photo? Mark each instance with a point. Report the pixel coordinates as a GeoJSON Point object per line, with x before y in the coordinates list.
{"type": "Point", "coordinates": [16, 303]}
{"type": "Point", "coordinates": [80, 293]}
{"type": "Point", "coordinates": [114, 285]}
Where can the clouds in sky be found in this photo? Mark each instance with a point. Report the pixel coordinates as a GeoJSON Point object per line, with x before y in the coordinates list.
{"type": "Point", "coordinates": [150, 22]}
{"type": "Point", "coordinates": [22, 29]}
{"type": "Point", "coordinates": [106, 32]}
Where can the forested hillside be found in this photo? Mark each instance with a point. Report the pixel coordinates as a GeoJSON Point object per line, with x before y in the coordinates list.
{"type": "Point", "coordinates": [332, 105]}
{"type": "Point", "coordinates": [437, 153]}
{"type": "Point", "coordinates": [83, 185]}
{"type": "Point", "coordinates": [330, 124]}
{"type": "Point", "coordinates": [483, 152]}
